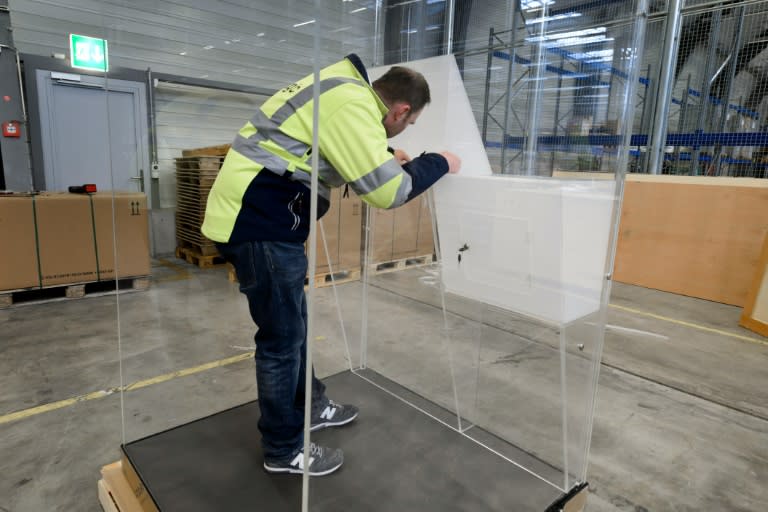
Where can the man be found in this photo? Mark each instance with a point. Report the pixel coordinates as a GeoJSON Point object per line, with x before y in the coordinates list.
{"type": "Point", "coordinates": [258, 212]}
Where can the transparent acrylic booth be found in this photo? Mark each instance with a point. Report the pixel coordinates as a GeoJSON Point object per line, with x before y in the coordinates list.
{"type": "Point", "coordinates": [476, 364]}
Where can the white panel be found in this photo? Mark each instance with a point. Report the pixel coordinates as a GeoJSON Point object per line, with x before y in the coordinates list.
{"type": "Point", "coordinates": [535, 246]}
{"type": "Point", "coordinates": [447, 123]}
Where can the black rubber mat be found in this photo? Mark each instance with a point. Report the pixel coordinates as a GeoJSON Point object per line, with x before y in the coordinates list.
{"type": "Point", "coordinates": [396, 459]}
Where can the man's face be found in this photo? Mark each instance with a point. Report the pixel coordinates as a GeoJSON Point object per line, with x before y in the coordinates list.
{"type": "Point", "coordinates": [398, 118]}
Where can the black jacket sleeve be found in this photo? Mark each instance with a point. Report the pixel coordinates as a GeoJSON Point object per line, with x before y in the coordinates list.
{"type": "Point", "coordinates": [425, 170]}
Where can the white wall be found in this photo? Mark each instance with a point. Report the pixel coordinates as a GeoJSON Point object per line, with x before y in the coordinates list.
{"type": "Point", "coordinates": [155, 33]}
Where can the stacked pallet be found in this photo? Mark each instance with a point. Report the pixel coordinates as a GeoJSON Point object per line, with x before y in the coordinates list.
{"type": "Point", "coordinates": [196, 171]}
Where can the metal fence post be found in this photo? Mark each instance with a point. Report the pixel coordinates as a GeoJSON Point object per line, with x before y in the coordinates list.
{"type": "Point", "coordinates": [664, 96]}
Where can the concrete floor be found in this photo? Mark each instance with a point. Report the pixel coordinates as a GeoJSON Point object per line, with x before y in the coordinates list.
{"type": "Point", "coordinates": [682, 410]}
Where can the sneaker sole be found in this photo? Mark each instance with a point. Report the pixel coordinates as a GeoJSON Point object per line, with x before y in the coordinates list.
{"type": "Point", "coordinates": [292, 471]}
{"type": "Point", "coordinates": [321, 426]}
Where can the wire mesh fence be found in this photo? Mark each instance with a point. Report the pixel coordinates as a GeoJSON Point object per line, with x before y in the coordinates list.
{"type": "Point", "coordinates": [717, 121]}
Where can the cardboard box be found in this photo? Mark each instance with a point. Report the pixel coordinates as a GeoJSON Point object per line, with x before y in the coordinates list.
{"type": "Point", "coordinates": [404, 232]}
{"type": "Point", "coordinates": [18, 259]}
{"type": "Point", "coordinates": [342, 225]}
{"type": "Point", "coordinates": [383, 233]}
{"type": "Point", "coordinates": [65, 238]}
{"type": "Point", "coordinates": [61, 238]}
{"type": "Point", "coordinates": [128, 235]}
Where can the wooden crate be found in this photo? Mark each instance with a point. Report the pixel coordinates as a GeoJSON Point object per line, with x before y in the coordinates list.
{"type": "Point", "coordinates": [694, 236]}
{"type": "Point", "coordinates": [755, 314]}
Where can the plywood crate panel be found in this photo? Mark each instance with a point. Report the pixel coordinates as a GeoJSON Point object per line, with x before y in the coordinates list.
{"type": "Point", "coordinates": [694, 236]}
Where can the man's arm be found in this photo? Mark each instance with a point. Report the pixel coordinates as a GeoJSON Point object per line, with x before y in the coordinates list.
{"type": "Point", "coordinates": [354, 142]}
{"type": "Point", "coordinates": [425, 170]}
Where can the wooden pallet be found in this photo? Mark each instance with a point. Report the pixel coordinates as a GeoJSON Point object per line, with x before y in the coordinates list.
{"type": "Point", "coordinates": [194, 257]}
{"type": "Point", "coordinates": [116, 493]}
{"type": "Point", "coordinates": [204, 248]}
{"type": "Point", "coordinates": [321, 280]}
{"type": "Point", "coordinates": [188, 239]}
{"type": "Point", "coordinates": [219, 150]}
{"type": "Point", "coordinates": [338, 277]}
{"type": "Point", "coordinates": [72, 291]}
{"type": "Point", "coordinates": [400, 264]}
{"type": "Point", "coordinates": [196, 172]}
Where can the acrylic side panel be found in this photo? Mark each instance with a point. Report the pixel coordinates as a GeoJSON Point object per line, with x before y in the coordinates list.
{"type": "Point", "coordinates": [513, 235]}
{"type": "Point", "coordinates": [447, 122]}
{"type": "Point", "coordinates": [497, 338]}
{"type": "Point", "coordinates": [203, 72]}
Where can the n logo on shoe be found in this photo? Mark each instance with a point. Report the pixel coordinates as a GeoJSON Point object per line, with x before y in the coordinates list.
{"type": "Point", "coordinates": [298, 461]}
{"type": "Point", "coordinates": [328, 413]}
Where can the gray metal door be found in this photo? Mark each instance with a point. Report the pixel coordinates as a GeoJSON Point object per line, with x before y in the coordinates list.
{"type": "Point", "coordinates": [92, 134]}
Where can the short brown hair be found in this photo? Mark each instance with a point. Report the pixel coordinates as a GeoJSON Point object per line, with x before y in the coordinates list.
{"type": "Point", "coordinates": [403, 84]}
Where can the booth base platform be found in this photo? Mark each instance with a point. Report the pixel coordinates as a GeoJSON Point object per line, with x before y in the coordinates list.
{"type": "Point", "coordinates": [397, 458]}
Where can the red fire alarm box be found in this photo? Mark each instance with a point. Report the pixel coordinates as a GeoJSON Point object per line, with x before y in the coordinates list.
{"type": "Point", "coordinates": [12, 129]}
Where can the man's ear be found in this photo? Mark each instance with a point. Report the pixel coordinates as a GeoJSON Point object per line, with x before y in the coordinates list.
{"type": "Point", "coordinates": [402, 111]}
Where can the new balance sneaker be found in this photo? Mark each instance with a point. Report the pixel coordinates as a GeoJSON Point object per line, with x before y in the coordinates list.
{"type": "Point", "coordinates": [322, 461]}
{"type": "Point", "coordinates": [333, 415]}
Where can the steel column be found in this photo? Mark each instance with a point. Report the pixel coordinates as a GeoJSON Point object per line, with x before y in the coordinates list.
{"type": "Point", "coordinates": [664, 96]}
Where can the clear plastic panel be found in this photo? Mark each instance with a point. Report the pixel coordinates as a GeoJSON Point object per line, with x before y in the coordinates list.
{"type": "Point", "coordinates": [187, 342]}
{"type": "Point", "coordinates": [500, 338]}
{"type": "Point", "coordinates": [59, 356]}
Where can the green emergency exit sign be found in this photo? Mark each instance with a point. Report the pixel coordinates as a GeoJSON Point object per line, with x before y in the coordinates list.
{"type": "Point", "coordinates": [88, 53]}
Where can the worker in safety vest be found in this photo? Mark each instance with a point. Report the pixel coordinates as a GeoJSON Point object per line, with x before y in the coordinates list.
{"type": "Point", "coordinates": [258, 213]}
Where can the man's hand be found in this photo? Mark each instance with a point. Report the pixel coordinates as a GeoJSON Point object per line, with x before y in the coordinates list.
{"type": "Point", "coordinates": [402, 157]}
{"type": "Point", "coordinates": [454, 162]}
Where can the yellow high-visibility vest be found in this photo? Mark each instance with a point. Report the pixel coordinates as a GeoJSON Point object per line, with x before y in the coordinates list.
{"type": "Point", "coordinates": [278, 139]}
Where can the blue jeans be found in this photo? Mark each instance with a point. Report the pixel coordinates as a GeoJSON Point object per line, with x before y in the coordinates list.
{"type": "Point", "coordinates": [271, 276]}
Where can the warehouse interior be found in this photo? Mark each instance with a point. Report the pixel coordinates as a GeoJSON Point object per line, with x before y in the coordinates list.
{"type": "Point", "coordinates": [576, 321]}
